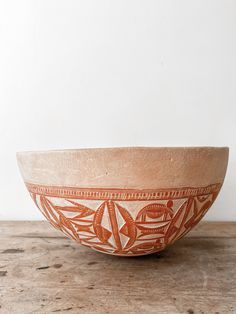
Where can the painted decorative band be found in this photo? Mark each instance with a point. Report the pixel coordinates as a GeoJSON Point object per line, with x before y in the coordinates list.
{"type": "Point", "coordinates": [121, 194]}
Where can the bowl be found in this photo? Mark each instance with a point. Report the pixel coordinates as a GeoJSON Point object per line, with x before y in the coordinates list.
{"type": "Point", "coordinates": [125, 201]}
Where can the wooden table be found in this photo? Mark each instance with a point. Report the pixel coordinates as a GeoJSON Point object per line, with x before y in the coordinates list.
{"type": "Point", "coordinates": [41, 271]}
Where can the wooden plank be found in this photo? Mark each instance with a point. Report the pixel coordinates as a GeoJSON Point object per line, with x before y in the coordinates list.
{"type": "Point", "coordinates": [41, 271]}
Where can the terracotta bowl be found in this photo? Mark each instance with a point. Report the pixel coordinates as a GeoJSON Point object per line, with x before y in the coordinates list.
{"type": "Point", "coordinates": [125, 201]}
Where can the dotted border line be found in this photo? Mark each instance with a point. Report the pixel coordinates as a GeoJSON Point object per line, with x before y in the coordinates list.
{"type": "Point", "coordinates": [121, 194]}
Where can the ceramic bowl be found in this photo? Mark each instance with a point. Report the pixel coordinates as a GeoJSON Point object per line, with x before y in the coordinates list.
{"type": "Point", "coordinates": [125, 201]}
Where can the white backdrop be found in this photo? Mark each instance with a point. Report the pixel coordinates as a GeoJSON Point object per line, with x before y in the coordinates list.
{"type": "Point", "coordinates": [115, 73]}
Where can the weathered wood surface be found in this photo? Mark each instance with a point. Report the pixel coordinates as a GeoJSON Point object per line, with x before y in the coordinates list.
{"type": "Point", "coordinates": [41, 271]}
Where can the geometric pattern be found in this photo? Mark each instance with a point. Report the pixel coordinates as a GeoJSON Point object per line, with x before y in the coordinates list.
{"type": "Point", "coordinates": [125, 222]}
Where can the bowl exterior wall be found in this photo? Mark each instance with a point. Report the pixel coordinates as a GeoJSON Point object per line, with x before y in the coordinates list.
{"type": "Point", "coordinates": [124, 222]}
{"type": "Point", "coordinates": [125, 201]}
{"type": "Point", "coordinates": [128, 168]}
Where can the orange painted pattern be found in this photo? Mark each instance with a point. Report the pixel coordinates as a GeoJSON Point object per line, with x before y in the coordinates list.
{"type": "Point", "coordinates": [123, 221]}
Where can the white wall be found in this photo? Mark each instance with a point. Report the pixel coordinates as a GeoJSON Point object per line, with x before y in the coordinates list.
{"type": "Point", "coordinates": [115, 73]}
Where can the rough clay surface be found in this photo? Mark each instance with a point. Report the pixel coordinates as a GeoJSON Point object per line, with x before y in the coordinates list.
{"type": "Point", "coordinates": [137, 167]}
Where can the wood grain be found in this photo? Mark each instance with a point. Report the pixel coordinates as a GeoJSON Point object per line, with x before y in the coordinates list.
{"type": "Point", "coordinates": [41, 271]}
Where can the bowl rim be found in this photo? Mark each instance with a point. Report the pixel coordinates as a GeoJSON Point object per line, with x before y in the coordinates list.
{"type": "Point", "coordinates": [127, 148]}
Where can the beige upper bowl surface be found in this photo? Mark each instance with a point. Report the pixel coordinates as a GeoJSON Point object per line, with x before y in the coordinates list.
{"type": "Point", "coordinates": [128, 167]}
